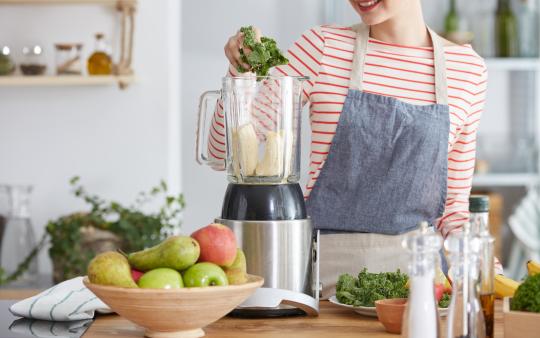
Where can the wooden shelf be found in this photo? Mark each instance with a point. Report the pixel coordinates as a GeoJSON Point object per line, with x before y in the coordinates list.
{"type": "Point", "coordinates": [66, 80]}
{"type": "Point", "coordinates": [509, 64]}
{"type": "Point", "coordinates": [505, 180]}
{"type": "Point", "coordinates": [67, 2]}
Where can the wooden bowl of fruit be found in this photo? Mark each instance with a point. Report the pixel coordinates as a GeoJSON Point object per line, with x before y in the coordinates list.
{"type": "Point", "coordinates": [177, 287]}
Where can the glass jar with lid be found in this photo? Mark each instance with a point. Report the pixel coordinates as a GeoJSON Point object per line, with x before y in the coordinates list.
{"type": "Point", "coordinates": [33, 62]}
{"type": "Point", "coordinates": [7, 66]}
{"type": "Point", "coordinates": [68, 58]}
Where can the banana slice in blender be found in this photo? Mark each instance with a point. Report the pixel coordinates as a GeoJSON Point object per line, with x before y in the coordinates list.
{"type": "Point", "coordinates": [272, 163]}
{"type": "Point", "coordinates": [245, 150]}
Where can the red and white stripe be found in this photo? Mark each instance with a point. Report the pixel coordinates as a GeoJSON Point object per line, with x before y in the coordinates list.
{"type": "Point", "coordinates": [325, 54]}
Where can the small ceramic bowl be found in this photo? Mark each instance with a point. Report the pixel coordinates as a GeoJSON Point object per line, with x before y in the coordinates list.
{"type": "Point", "coordinates": [390, 313]}
{"type": "Point", "coordinates": [175, 313]}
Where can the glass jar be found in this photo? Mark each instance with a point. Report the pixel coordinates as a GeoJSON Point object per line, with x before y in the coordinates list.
{"type": "Point", "coordinates": [68, 58]}
{"type": "Point", "coordinates": [33, 61]}
{"type": "Point", "coordinates": [7, 66]}
{"type": "Point", "coordinates": [18, 238]}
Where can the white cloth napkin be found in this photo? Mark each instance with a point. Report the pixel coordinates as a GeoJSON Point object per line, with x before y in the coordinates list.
{"type": "Point", "coordinates": [67, 301]}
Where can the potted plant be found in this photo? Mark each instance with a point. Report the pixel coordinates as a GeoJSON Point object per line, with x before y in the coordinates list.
{"type": "Point", "coordinates": [76, 238]}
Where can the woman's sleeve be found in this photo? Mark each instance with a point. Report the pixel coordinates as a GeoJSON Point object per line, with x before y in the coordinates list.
{"type": "Point", "coordinates": [304, 60]}
{"type": "Point", "coordinates": [461, 161]}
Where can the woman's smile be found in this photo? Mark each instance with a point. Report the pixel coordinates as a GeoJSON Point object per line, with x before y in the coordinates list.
{"type": "Point", "coordinates": [367, 5]}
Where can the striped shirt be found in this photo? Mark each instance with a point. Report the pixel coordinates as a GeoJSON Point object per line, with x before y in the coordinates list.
{"type": "Point", "coordinates": [325, 54]}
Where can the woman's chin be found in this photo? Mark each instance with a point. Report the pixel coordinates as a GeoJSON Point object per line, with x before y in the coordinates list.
{"type": "Point", "coordinates": [373, 19]}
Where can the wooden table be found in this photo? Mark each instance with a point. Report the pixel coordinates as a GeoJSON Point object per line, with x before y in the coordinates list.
{"type": "Point", "coordinates": [333, 322]}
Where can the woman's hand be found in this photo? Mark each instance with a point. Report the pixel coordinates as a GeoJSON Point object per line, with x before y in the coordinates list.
{"type": "Point", "coordinates": [233, 46]}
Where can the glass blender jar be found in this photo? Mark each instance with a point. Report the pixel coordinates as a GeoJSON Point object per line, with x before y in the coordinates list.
{"type": "Point", "coordinates": [262, 128]}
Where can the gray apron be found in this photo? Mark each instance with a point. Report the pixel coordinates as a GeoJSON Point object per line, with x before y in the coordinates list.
{"type": "Point", "coordinates": [385, 172]}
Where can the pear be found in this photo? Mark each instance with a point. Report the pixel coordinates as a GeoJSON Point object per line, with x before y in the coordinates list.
{"type": "Point", "coordinates": [110, 268]}
{"type": "Point", "coordinates": [176, 252]}
{"type": "Point", "coordinates": [236, 273]}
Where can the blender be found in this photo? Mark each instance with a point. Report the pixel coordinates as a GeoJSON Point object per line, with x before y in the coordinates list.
{"type": "Point", "coordinates": [263, 203]}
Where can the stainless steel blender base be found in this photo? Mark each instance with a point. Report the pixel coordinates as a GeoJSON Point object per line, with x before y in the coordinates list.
{"type": "Point", "coordinates": [285, 254]}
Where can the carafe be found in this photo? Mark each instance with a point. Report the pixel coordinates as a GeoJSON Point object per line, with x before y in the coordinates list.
{"type": "Point", "coordinates": [18, 238]}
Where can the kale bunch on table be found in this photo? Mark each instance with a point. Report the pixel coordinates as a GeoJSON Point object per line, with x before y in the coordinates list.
{"type": "Point", "coordinates": [527, 296]}
{"type": "Point", "coordinates": [369, 287]}
{"type": "Point", "coordinates": [263, 54]}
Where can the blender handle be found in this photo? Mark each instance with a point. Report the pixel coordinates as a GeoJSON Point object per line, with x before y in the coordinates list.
{"type": "Point", "coordinates": [202, 135]}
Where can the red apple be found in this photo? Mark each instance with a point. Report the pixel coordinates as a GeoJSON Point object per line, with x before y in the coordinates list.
{"type": "Point", "coordinates": [218, 244]}
{"type": "Point", "coordinates": [439, 291]}
{"type": "Point", "coordinates": [136, 274]}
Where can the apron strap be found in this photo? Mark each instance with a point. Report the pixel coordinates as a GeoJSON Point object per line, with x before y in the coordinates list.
{"type": "Point", "coordinates": [439, 62]}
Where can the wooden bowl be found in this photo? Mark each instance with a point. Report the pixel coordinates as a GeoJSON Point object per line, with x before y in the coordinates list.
{"type": "Point", "coordinates": [178, 313]}
{"type": "Point", "coordinates": [390, 313]}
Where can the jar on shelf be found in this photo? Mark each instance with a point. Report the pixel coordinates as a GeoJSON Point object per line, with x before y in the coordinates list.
{"type": "Point", "coordinates": [68, 58]}
{"type": "Point", "coordinates": [33, 61]}
{"type": "Point", "coordinates": [100, 62]}
{"type": "Point", "coordinates": [7, 66]}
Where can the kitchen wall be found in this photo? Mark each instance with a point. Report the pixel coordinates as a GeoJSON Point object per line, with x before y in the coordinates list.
{"type": "Point", "coordinates": [119, 142]}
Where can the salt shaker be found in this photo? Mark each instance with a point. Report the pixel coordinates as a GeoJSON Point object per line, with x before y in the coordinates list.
{"type": "Point", "coordinates": [421, 317]}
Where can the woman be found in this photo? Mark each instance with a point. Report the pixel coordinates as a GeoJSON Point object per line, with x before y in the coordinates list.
{"type": "Point", "coordinates": [394, 110]}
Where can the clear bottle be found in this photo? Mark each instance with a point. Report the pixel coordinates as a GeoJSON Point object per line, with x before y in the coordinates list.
{"type": "Point", "coordinates": [506, 36]}
{"type": "Point", "coordinates": [479, 219]}
{"type": "Point", "coordinates": [100, 62]}
{"type": "Point", "coordinates": [421, 318]}
{"type": "Point", "coordinates": [465, 315]}
{"type": "Point", "coordinates": [527, 18]}
{"type": "Point", "coordinates": [18, 238]}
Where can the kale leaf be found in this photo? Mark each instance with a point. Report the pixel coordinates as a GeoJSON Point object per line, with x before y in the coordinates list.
{"type": "Point", "coordinates": [527, 296]}
{"type": "Point", "coordinates": [264, 54]}
{"type": "Point", "coordinates": [445, 300]}
{"type": "Point", "coordinates": [369, 287]}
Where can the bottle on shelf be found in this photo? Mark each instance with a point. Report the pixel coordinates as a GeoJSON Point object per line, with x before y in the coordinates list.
{"type": "Point", "coordinates": [479, 219]}
{"type": "Point", "coordinates": [481, 16]}
{"type": "Point", "coordinates": [527, 18]}
{"type": "Point", "coordinates": [421, 317]}
{"type": "Point", "coordinates": [506, 35]}
{"type": "Point", "coordinates": [451, 20]}
{"type": "Point", "coordinates": [465, 315]}
{"type": "Point", "coordinates": [100, 62]}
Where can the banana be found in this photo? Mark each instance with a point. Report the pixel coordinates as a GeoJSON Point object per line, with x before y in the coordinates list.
{"type": "Point", "coordinates": [504, 286]}
{"type": "Point", "coordinates": [272, 163]}
{"type": "Point", "coordinates": [533, 267]}
{"type": "Point", "coordinates": [245, 150]}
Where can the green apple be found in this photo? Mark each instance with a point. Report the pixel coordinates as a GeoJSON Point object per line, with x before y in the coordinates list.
{"type": "Point", "coordinates": [205, 274]}
{"type": "Point", "coordinates": [161, 278]}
